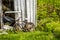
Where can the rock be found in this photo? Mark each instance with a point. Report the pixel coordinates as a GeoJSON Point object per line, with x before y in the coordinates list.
{"type": "Point", "coordinates": [3, 33]}
{"type": "Point", "coordinates": [7, 27]}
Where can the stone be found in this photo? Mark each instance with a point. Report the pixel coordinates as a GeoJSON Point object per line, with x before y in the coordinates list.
{"type": "Point", "coordinates": [7, 27]}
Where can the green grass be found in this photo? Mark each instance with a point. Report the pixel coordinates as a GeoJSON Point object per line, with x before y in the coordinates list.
{"type": "Point", "coordinates": [37, 35]}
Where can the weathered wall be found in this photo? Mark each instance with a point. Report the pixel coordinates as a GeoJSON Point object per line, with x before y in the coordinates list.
{"type": "Point", "coordinates": [31, 11]}
{"type": "Point", "coordinates": [1, 14]}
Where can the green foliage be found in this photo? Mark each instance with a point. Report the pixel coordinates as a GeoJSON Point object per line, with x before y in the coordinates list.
{"type": "Point", "coordinates": [10, 31]}
{"type": "Point", "coordinates": [52, 26]}
{"type": "Point", "coordinates": [37, 35]}
{"type": "Point", "coordinates": [57, 32]}
{"type": "Point", "coordinates": [48, 16]}
{"type": "Point", "coordinates": [42, 22]}
{"type": "Point", "coordinates": [47, 12]}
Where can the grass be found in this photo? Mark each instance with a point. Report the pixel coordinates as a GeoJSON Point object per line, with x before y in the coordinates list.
{"type": "Point", "coordinates": [37, 35]}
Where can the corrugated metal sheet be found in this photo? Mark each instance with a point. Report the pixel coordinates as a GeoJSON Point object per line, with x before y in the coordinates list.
{"type": "Point", "coordinates": [31, 11]}
{"type": "Point", "coordinates": [27, 8]}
